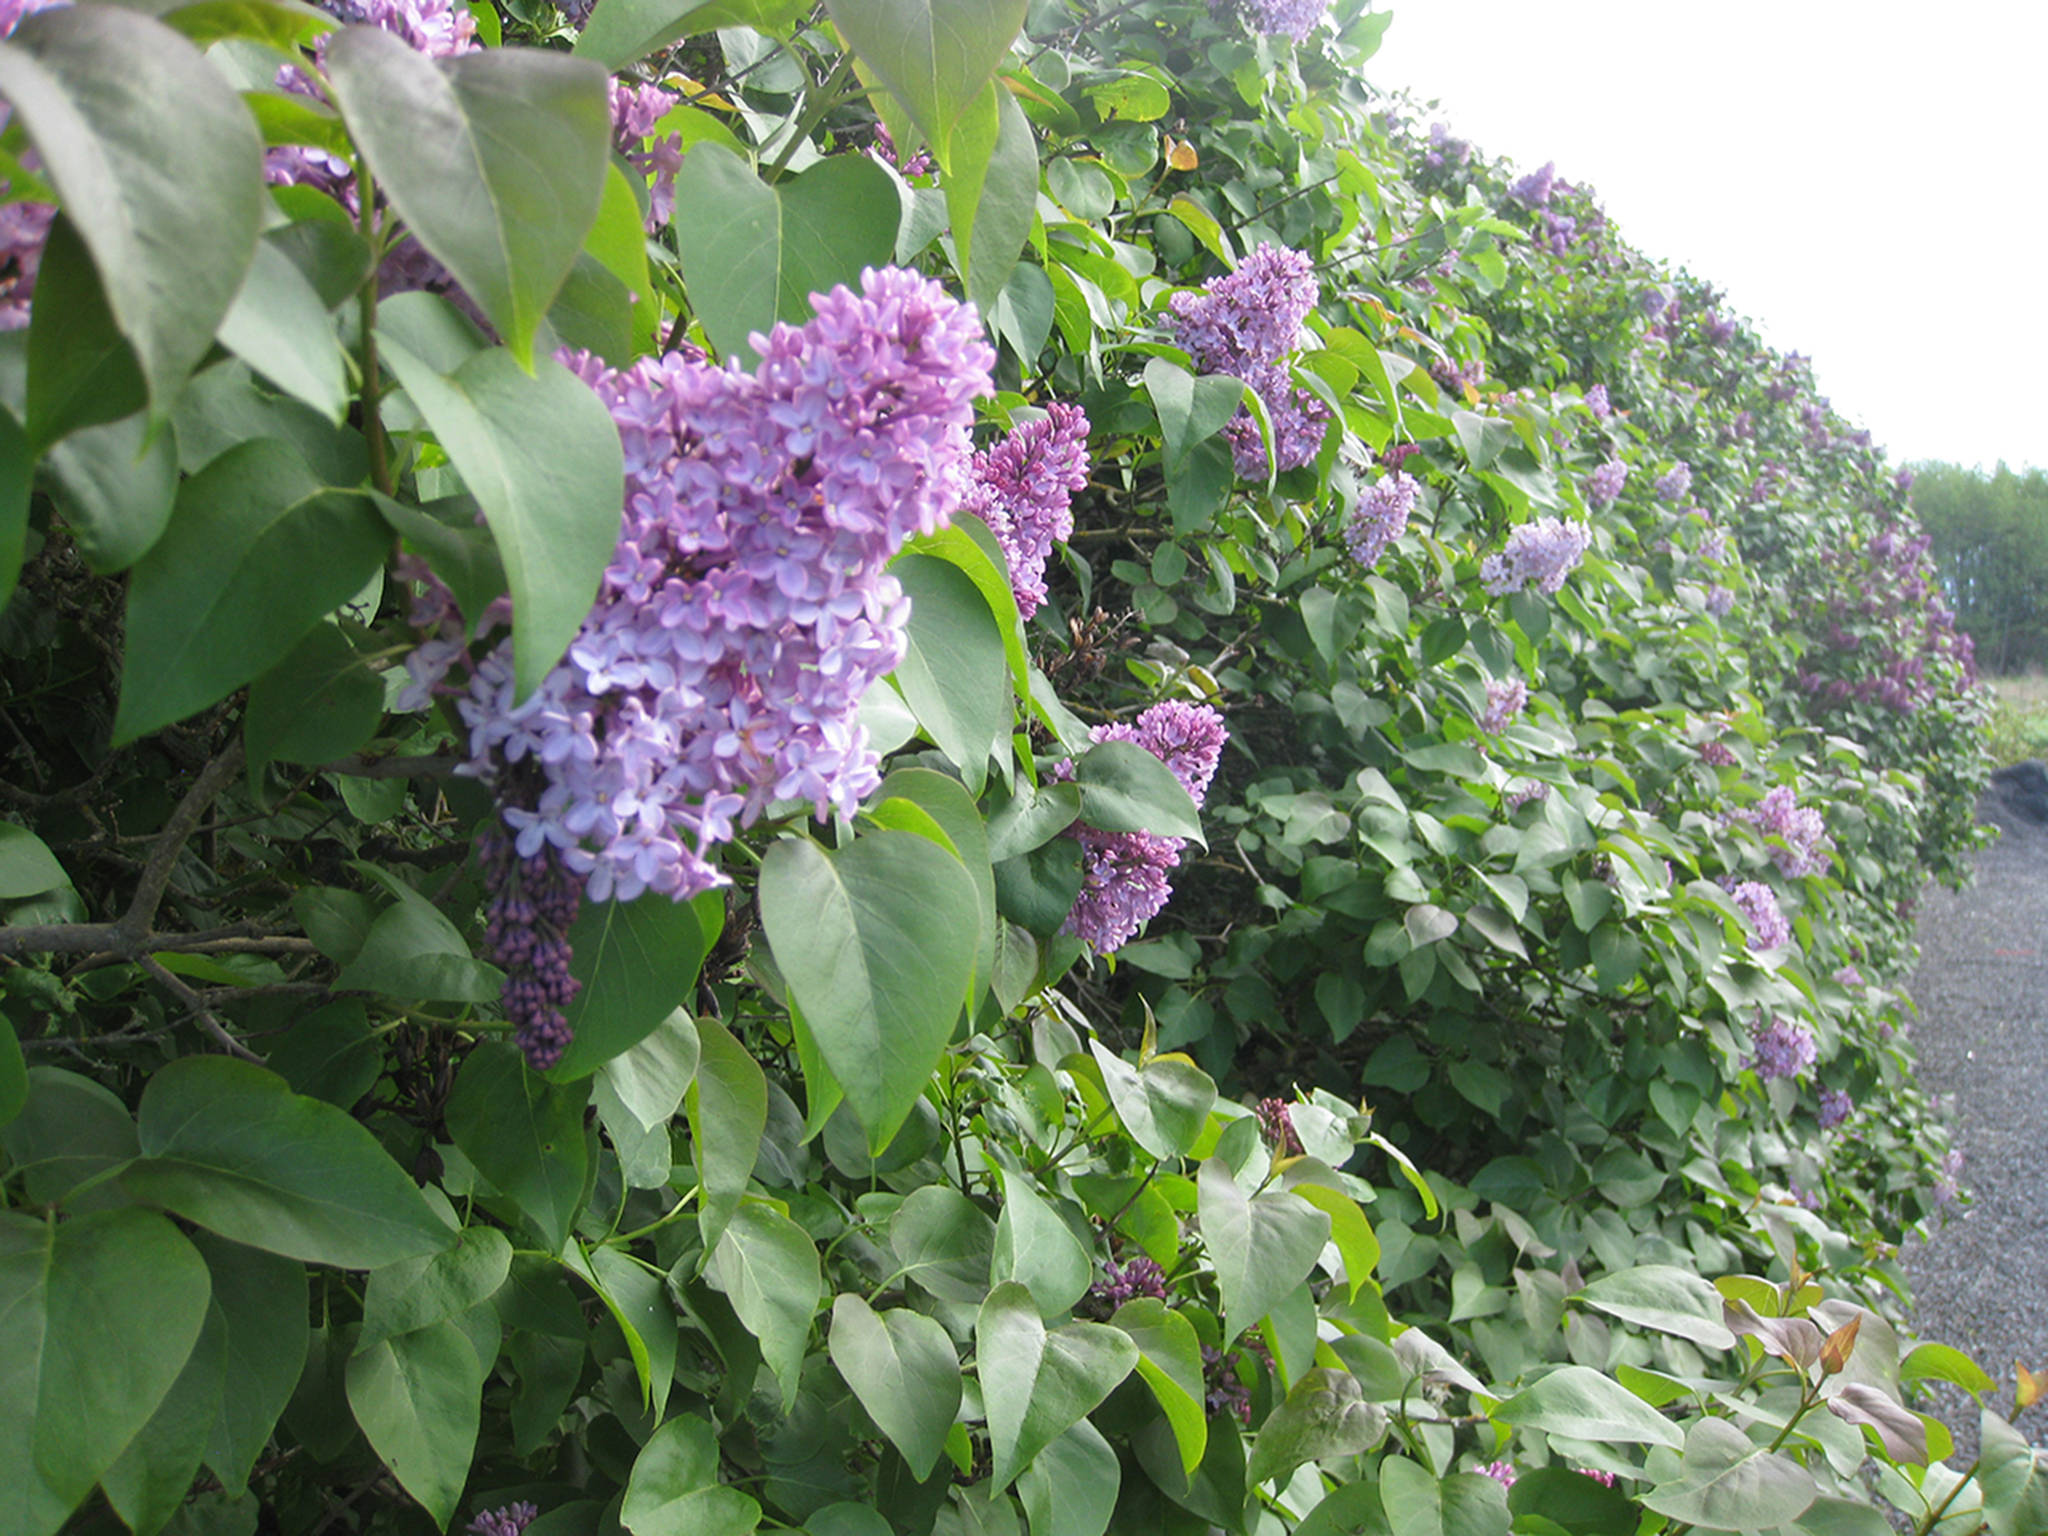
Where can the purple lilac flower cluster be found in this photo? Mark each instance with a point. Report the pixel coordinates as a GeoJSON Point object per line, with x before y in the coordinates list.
{"type": "Point", "coordinates": [1560, 230]}
{"type": "Point", "coordinates": [1950, 1184]}
{"type": "Point", "coordinates": [1758, 904]}
{"type": "Point", "coordinates": [1543, 552]}
{"type": "Point", "coordinates": [1598, 403]}
{"type": "Point", "coordinates": [1720, 600]}
{"type": "Point", "coordinates": [885, 150]}
{"type": "Point", "coordinates": [508, 1520]}
{"type": "Point", "coordinates": [1276, 1124]}
{"type": "Point", "coordinates": [1381, 517]}
{"type": "Point", "coordinates": [1524, 791]}
{"type": "Point", "coordinates": [1141, 1278]}
{"type": "Point", "coordinates": [1893, 630]}
{"type": "Point", "coordinates": [1275, 18]}
{"type": "Point", "coordinates": [1023, 488]}
{"type": "Point", "coordinates": [636, 109]}
{"type": "Point", "coordinates": [1835, 1107]}
{"type": "Point", "coordinates": [1244, 323]}
{"type": "Point", "coordinates": [1718, 329]}
{"type": "Point", "coordinates": [1717, 754]}
{"type": "Point", "coordinates": [531, 905]}
{"type": "Point", "coordinates": [1501, 1472]}
{"type": "Point", "coordinates": [24, 226]}
{"type": "Point", "coordinates": [1783, 1049]}
{"type": "Point", "coordinates": [1445, 148]}
{"type": "Point", "coordinates": [1505, 699]}
{"type": "Point", "coordinates": [746, 609]}
{"type": "Point", "coordinates": [1224, 1390]}
{"type": "Point", "coordinates": [1460, 379]}
{"type": "Point", "coordinates": [1673, 484]}
{"type": "Point", "coordinates": [1124, 875]}
{"type": "Point", "coordinates": [1605, 483]}
{"type": "Point", "coordinates": [1536, 187]}
{"type": "Point", "coordinates": [1800, 828]}
{"type": "Point", "coordinates": [1847, 976]}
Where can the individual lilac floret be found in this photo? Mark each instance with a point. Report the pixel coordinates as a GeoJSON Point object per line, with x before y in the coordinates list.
{"type": "Point", "coordinates": [1023, 488]}
{"type": "Point", "coordinates": [1783, 1050]}
{"type": "Point", "coordinates": [1535, 188]}
{"type": "Point", "coordinates": [1275, 18]}
{"type": "Point", "coordinates": [746, 609]}
{"type": "Point", "coordinates": [636, 109]}
{"type": "Point", "coordinates": [1504, 701]}
{"type": "Point", "coordinates": [1835, 1107]}
{"type": "Point", "coordinates": [1543, 552]}
{"type": "Point", "coordinates": [508, 1520]}
{"type": "Point", "coordinates": [1244, 323]}
{"type": "Point", "coordinates": [1501, 1472]}
{"type": "Point", "coordinates": [1674, 483]}
{"type": "Point", "coordinates": [1381, 517]}
{"type": "Point", "coordinates": [1759, 906]}
{"type": "Point", "coordinates": [1605, 483]}
{"type": "Point", "coordinates": [1276, 1124]}
{"type": "Point", "coordinates": [530, 906]}
{"type": "Point", "coordinates": [1139, 1279]}
{"type": "Point", "coordinates": [1803, 833]}
{"type": "Point", "coordinates": [1597, 401]}
{"type": "Point", "coordinates": [1125, 875]}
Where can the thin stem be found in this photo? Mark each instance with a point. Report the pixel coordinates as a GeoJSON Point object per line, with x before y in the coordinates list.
{"type": "Point", "coordinates": [1934, 1515]}
{"type": "Point", "coordinates": [823, 100]}
{"type": "Point", "coordinates": [373, 419]}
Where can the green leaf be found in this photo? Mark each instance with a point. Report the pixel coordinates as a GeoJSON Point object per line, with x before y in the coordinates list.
{"type": "Point", "coordinates": [991, 188]}
{"type": "Point", "coordinates": [13, 1073]}
{"type": "Point", "coordinates": [98, 1315]}
{"type": "Point", "coordinates": [1669, 1300]}
{"type": "Point", "coordinates": [877, 942]}
{"type": "Point", "coordinates": [114, 490]}
{"type": "Point", "coordinates": [757, 253]}
{"type": "Point", "coordinates": [417, 1293]}
{"type": "Point", "coordinates": [1164, 1104]}
{"type": "Point", "coordinates": [638, 1299]}
{"type": "Point", "coordinates": [955, 672]}
{"type": "Point", "coordinates": [541, 455]}
{"type": "Point", "coordinates": [81, 370]}
{"type": "Point", "coordinates": [524, 1134]}
{"type": "Point", "coordinates": [1037, 1250]}
{"type": "Point", "coordinates": [1124, 788]}
{"type": "Point", "coordinates": [934, 55]}
{"type": "Point", "coordinates": [1577, 1401]}
{"type": "Point", "coordinates": [1325, 1414]}
{"type": "Point", "coordinates": [158, 164]}
{"type": "Point", "coordinates": [27, 867]}
{"type": "Point", "coordinates": [1070, 1489]}
{"type": "Point", "coordinates": [149, 1481]}
{"type": "Point", "coordinates": [1730, 1484]}
{"type": "Point", "coordinates": [969, 545]}
{"type": "Point", "coordinates": [650, 1079]}
{"type": "Point", "coordinates": [257, 552]}
{"type": "Point", "coordinates": [318, 704]}
{"type": "Point", "coordinates": [903, 1368]}
{"type": "Point", "coordinates": [17, 475]}
{"type": "Point", "coordinates": [260, 1302]}
{"type": "Point", "coordinates": [1349, 1228]}
{"type": "Point", "coordinates": [70, 1129]}
{"type": "Point", "coordinates": [1582, 1505]}
{"type": "Point", "coordinates": [418, 1400]}
{"type": "Point", "coordinates": [1261, 1248]}
{"type": "Point", "coordinates": [280, 327]}
{"type": "Point", "coordinates": [620, 31]}
{"type": "Point", "coordinates": [638, 961]}
{"type": "Point", "coordinates": [768, 1268]}
{"type": "Point", "coordinates": [1191, 409]}
{"type": "Point", "coordinates": [674, 1488]}
{"type": "Point", "coordinates": [1036, 1384]}
{"type": "Point", "coordinates": [229, 1146]}
{"type": "Point", "coordinates": [944, 1242]}
{"type": "Point", "coordinates": [728, 1106]}
{"type": "Point", "coordinates": [1170, 1360]}
{"type": "Point", "coordinates": [413, 951]}
{"type": "Point", "coordinates": [495, 160]}
{"type": "Point", "coordinates": [1943, 1362]}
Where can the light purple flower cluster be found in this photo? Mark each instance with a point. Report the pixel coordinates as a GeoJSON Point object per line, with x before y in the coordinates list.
{"type": "Point", "coordinates": [1276, 1125]}
{"type": "Point", "coordinates": [1275, 18]}
{"type": "Point", "coordinates": [885, 150]}
{"type": "Point", "coordinates": [1535, 188]}
{"type": "Point", "coordinates": [1139, 1279]}
{"type": "Point", "coordinates": [1244, 323]}
{"type": "Point", "coordinates": [1847, 976]}
{"type": "Point", "coordinates": [745, 610]}
{"type": "Point", "coordinates": [1604, 1479]}
{"type": "Point", "coordinates": [1561, 231]}
{"type": "Point", "coordinates": [1716, 754]}
{"type": "Point", "coordinates": [1720, 600]}
{"type": "Point", "coordinates": [1023, 488]}
{"type": "Point", "coordinates": [1381, 517]}
{"type": "Point", "coordinates": [1605, 483]}
{"type": "Point", "coordinates": [1835, 1107]}
{"type": "Point", "coordinates": [1504, 701]}
{"type": "Point", "coordinates": [1224, 1389]}
{"type": "Point", "coordinates": [1783, 1049]}
{"type": "Point", "coordinates": [1597, 401]}
{"type": "Point", "coordinates": [1523, 791]}
{"type": "Point", "coordinates": [636, 109]}
{"type": "Point", "coordinates": [509, 1520]}
{"type": "Point", "coordinates": [1445, 148]}
{"type": "Point", "coordinates": [1950, 1184]}
{"type": "Point", "coordinates": [24, 226]}
{"type": "Point", "coordinates": [1543, 552]}
{"type": "Point", "coordinates": [1124, 875]}
{"type": "Point", "coordinates": [1758, 904]}
{"type": "Point", "coordinates": [1800, 828]}
{"type": "Point", "coordinates": [1501, 1472]}
{"type": "Point", "coordinates": [531, 904]}
{"type": "Point", "coordinates": [1673, 484]}
{"type": "Point", "coordinates": [1719, 330]}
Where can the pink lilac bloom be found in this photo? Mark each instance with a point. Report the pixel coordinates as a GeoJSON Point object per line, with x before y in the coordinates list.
{"type": "Point", "coordinates": [24, 226]}
{"type": "Point", "coordinates": [1604, 1479]}
{"type": "Point", "coordinates": [1835, 1107]}
{"type": "Point", "coordinates": [746, 608]}
{"type": "Point", "coordinates": [635, 111]}
{"type": "Point", "coordinates": [1673, 484]}
{"type": "Point", "coordinates": [919, 164]}
{"type": "Point", "coordinates": [1597, 402]}
{"type": "Point", "coordinates": [1139, 1279]}
{"type": "Point", "coordinates": [508, 1520]}
{"type": "Point", "coordinates": [1605, 483]}
{"type": "Point", "coordinates": [1543, 552]}
{"type": "Point", "coordinates": [1125, 875]}
{"type": "Point", "coordinates": [1717, 755]}
{"type": "Point", "coordinates": [1501, 1472]}
{"type": "Point", "coordinates": [1535, 188]}
{"type": "Point", "coordinates": [1801, 829]}
{"type": "Point", "coordinates": [1277, 1126]}
{"type": "Point", "coordinates": [1504, 700]}
{"type": "Point", "coordinates": [1758, 904]}
{"type": "Point", "coordinates": [1244, 324]}
{"type": "Point", "coordinates": [1023, 488]}
{"type": "Point", "coordinates": [1275, 18]}
{"type": "Point", "coordinates": [1782, 1050]}
{"type": "Point", "coordinates": [1381, 517]}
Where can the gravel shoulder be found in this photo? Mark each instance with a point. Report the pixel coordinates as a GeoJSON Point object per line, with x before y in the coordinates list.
{"type": "Point", "coordinates": [1981, 1281]}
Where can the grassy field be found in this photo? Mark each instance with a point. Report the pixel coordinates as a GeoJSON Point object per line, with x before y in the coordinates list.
{"type": "Point", "coordinates": [2019, 722]}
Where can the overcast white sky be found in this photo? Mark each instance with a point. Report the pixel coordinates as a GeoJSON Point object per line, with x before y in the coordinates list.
{"type": "Point", "coordinates": [1866, 179]}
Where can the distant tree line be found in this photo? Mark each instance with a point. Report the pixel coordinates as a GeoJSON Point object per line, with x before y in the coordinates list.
{"type": "Point", "coordinates": [1990, 533]}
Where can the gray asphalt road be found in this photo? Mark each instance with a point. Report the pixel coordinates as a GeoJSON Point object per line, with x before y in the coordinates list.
{"type": "Point", "coordinates": [1981, 1281]}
